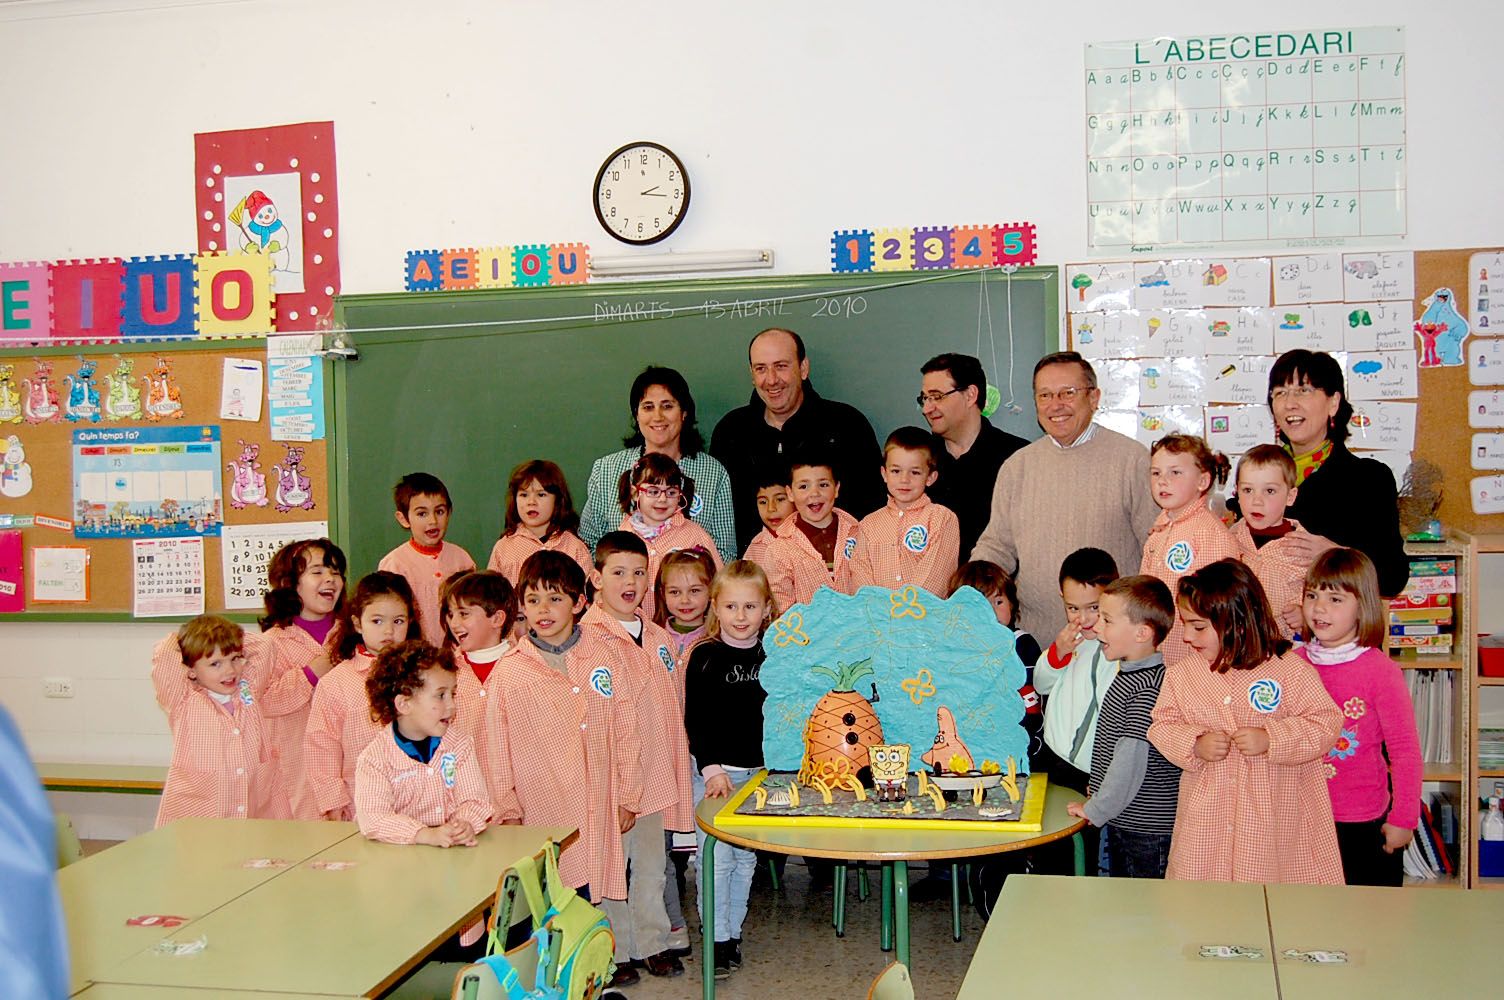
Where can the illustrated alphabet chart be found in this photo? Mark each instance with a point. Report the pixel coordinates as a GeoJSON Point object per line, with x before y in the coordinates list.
{"type": "Point", "coordinates": [146, 482]}
{"type": "Point", "coordinates": [168, 577]}
{"type": "Point", "coordinates": [246, 551]}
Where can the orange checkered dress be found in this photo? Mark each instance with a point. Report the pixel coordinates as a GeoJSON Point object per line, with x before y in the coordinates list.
{"type": "Point", "coordinates": [565, 751]}
{"type": "Point", "coordinates": [1283, 576]}
{"type": "Point", "coordinates": [222, 766]}
{"type": "Point", "coordinates": [396, 797]}
{"type": "Point", "coordinates": [1251, 819]}
{"type": "Point", "coordinates": [649, 672]}
{"type": "Point", "coordinates": [339, 728]}
{"type": "Point", "coordinates": [469, 698]}
{"type": "Point", "coordinates": [757, 548]}
{"type": "Point", "coordinates": [895, 548]}
{"type": "Point", "coordinates": [795, 570]}
{"type": "Point", "coordinates": [285, 704]}
{"type": "Point", "coordinates": [680, 533]}
{"type": "Point", "coordinates": [511, 551]}
{"type": "Point", "coordinates": [1174, 548]}
{"type": "Point", "coordinates": [425, 570]}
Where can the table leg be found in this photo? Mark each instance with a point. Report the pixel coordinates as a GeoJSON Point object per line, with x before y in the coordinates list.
{"type": "Point", "coordinates": [955, 901]}
{"type": "Point", "coordinates": [838, 907]}
{"type": "Point", "coordinates": [886, 938]}
{"type": "Point", "coordinates": [901, 911]}
{"type": "Point", "coordinates": [707, 918]}
{"type": "Point", "coordinates": [1078, 848]}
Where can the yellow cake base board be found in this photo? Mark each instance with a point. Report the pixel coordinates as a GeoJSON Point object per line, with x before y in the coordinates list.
{"type": "Point", "coordinates": [1031, 819]}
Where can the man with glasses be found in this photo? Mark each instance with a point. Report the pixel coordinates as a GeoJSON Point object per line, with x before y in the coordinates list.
{"type": "Point", "coordinates": [785, 416]}
{"type": "Point", "coordinates": [952, 391]}
{"type": "Point", "coordinates": [1080, 485]}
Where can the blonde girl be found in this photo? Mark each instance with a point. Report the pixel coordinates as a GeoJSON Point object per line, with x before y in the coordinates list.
{"type": "Point", "coordinates": [681, 597]}
{"type": "Point", "coordinates": [540, 515]}
{"type": "Point", "coordinates": [723, 718]}
{"type": "Point", "coordinates": [1346, 622]}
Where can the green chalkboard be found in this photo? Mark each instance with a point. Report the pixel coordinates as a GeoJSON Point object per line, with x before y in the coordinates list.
{"type": "Point", "coordinates": [465, 385]}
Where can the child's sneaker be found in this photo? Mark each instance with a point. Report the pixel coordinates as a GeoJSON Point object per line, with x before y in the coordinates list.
{"type": "Point", "coordinates": [735, 953]}
{"type": "Point", "coordinates": [723, 960]}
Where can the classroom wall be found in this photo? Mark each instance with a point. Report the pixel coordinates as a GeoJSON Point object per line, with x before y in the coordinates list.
{"type": "Point", "coordinates": [481, 122]}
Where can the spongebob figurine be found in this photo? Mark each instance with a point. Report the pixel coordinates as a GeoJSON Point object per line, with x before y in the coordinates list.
{"type": "Point", "coordinates": [890, 771]}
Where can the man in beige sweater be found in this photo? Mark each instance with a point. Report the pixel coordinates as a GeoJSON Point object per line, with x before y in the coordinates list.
{"type": "Point", "coordinates": [1079, 485]}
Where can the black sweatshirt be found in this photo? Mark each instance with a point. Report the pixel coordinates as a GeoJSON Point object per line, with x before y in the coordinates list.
{"type": "Point", "coordinates": [723, 699]}
{"type": "Point", "coordinates": [1353, 502]}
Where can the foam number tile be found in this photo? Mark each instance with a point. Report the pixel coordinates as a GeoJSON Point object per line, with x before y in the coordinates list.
{"type": "Point", "coordinates": [234, 294]}
{"type": "Point", "coordinates": [158, 298]}
{"type": "Point", "coordinates": [971, 246]}
{"type": "Point", "coordinates": [851, 251]}
{"type": "Point", "coordinates": [25, 303]}
{"type": "Point", "coordinates": [86, 299]}
{"type": "Point", "coordinates": [1014, 243]}
{"type": "Point", "coordinates": [569, 264]}
{"type": "Point", "coordinates": [425, 270]}
{"type": "Point", "coordinates": [457, 269]}
{"type": "Point", "coordinates": [932, 248]}
{"type": "Point", "coordinates": [493, 268]}
{"type": "Point", "coordinates": [530, 265]}
{"type": "Point", "coordinates": [893, 249]}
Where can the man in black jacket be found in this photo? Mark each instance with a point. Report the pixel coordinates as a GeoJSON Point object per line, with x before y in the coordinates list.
{"type": "Point", "coordinates": [785, 416]}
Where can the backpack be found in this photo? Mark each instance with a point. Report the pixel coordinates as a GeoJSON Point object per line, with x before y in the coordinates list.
{"type": "Point", "coordinates": [567, 957]}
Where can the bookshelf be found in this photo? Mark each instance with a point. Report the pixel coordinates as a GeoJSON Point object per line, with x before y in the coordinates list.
{"type": "Point", "coordinates": [1452, 773]}
{"type": "Point", "coordinates": [1487, 706]}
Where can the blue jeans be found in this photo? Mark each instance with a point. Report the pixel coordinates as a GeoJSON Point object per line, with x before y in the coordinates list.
{"type": "Point", "coordinates": [1137, 855]}
{"type": "Point", "coordinates": [733, 869]}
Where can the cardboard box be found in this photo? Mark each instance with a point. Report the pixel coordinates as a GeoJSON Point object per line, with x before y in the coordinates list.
{"type": "Point", "coordinates": [1491, 655]}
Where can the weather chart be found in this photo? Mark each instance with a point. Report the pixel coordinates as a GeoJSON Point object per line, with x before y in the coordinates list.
{"type": "Point", "coordinates": [147, 482]}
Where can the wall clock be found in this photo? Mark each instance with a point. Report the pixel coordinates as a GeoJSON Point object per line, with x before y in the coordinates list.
{"type": "Point", "coordinates": [641, 193]}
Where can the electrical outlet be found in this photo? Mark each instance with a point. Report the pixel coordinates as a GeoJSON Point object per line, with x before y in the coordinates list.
{"type": "Point", "coordinates": [57, 687]}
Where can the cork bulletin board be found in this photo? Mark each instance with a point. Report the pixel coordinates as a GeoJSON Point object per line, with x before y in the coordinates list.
{"type": "Point", "coordinates": [1441, 400]}
{"type": "Point", "coordinates": [48, 514]}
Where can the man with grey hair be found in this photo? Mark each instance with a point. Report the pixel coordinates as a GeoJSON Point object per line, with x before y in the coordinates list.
{"type": "Point", "coordinates": [1080, 485]}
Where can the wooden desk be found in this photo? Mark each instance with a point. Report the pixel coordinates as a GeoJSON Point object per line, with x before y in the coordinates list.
{"type": "Point", "coordinates": [120, 991]}
{"type": "Point", "coordinates": [354, 932]}
{"type": "Point", "coordinates": [1123, 938]}
{"type": "Point", "coordinates": [895, 848]}
{"type": "Point", "coordinates": [186, 869]}
{"type": "Point", "coordinates": [1399, 942]}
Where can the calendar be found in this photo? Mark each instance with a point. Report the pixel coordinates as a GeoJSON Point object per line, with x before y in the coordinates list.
{"type": "Point", "coordinates": [169, 577]}
{"type": "Point", "coordinates": [146, 482]}
{"type": "Point", "coordinates": [247, 550]}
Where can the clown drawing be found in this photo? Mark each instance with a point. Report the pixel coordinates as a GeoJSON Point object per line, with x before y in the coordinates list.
{"type": "Point", "coordinates": [262, 229]}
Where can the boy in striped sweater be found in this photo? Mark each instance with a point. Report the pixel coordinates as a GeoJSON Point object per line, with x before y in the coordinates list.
{"type": "Point", "coordinates": [1133, 787]}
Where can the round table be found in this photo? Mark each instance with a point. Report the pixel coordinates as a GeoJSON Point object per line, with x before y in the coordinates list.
{"type": "Point", "coordinates": [893, 848]}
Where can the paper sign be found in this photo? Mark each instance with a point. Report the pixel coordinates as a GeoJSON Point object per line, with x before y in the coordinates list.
{"type": "Point", "coordinates": [1108, 335]}
{"type": "Point", "coordinates": [1485, 361]}
{"type": "Point", "coordinates": [1167, 284]}
{"type": "Point", "coordinates": [1485, 408]}
{"type": "Point", "coordinates": [1239, 331]}
{"type": "Point", "coordinates": [246, 551]}
{"type": "Point", "coordinates": [60, 574]}
{"type": "Point", "coordinates": [1233, 430]}
{"type": "Point", "coordinates": [1170, 382]}
{"type": "Point", "coordinates": [1177, 333]}
{"type": "Point", "coordinates": [12, 574]}
{"type": "Point", "coordinates": [1118, 381]}
{"type": "Point", "coordinates": [1235, 281]}
{"type": "Point", "coordinates": [1383, 375]}
{"type": "Point", "coordinates": [1485, 278]}
{"type": "Point", "coordinates": [1310, 327]}
{"type": "Point", "coordinates": [1383, 426]}
{"type": "Point", "coordinates": [1488, 494]}
{"type": "Point", "coordinates": [1236, 380]}
{"type": "Point", "coordinates": [1487, 451]}
{"type": "Point", "coordinates": [1099, 286]}
{"type": "Point", "coordinates": [1384, 276]}
{"type": "Point", "coordinates": [1372, 326]}
{"type": "Point", "coordinates": [169, 577]}
{"type": "Point", "coordinates": [1312, 278]}
{"type": "Point", "coordinates": [295, 397]}
{"type": "Point", "coordinates": [240, 392]}
{"type": "Point", "coordinates": [1153, 422]}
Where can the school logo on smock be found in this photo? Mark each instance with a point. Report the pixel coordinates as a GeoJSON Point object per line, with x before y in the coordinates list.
{"type": "Point", "coordinates": [600, 681]}
{"type": "Point", "coordinates": [245, 692]}
{"type": "Point", "coordinates": [1180, 557]}
{"type": "Point", "coordinates": [696, 505]}
{"type": "Point", "coordinates": [667, 658]}
{"type": "Point", "coordinates": [917, 538]}
{"type": "Point", "coordinates": [1264, 695]}
{"type": "Point", "coordinates": [447, 770]}
{"type": "Point", "coordinates": [849, 547]}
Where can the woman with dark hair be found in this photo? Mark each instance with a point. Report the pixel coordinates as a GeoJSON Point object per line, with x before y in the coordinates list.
{"type": "Point", "coordinates": [663, 421]}
{"type": "Point", "coordinates": [1342, 499]}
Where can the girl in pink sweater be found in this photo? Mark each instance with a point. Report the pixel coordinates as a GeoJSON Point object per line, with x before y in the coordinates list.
{"type": "Point", "coordinates": [1345, 618]}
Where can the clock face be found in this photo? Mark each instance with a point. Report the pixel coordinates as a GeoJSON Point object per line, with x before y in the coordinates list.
{"type": "Point", "coordinates": [641, 193]}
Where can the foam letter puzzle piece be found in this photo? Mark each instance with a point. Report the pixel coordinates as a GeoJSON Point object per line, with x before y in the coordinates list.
{"type": "Point", "coordinates": [158, 298]}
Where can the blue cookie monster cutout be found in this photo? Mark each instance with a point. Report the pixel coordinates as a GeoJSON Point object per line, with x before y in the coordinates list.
{"type": "Point", "coordinates": [1441, 309]}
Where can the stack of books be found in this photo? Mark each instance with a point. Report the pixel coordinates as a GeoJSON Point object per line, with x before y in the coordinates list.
{"type": "Point", "coordinates": [1421, 617]}
{"type": "Point", "coordinates": [1491, 749]}
{"type": "Point", "coordinates": [1432, 854]}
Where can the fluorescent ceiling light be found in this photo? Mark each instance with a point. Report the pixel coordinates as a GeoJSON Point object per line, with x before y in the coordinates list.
{"type": "Point", "coordinates": [681, 262]}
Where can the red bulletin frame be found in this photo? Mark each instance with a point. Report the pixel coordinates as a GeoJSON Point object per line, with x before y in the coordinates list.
{"type": "Point", "coordinates": [307, 149]}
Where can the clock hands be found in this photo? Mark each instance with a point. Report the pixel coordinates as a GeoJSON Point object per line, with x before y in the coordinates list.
{"type": "Point", "coordinates": [655, 192]}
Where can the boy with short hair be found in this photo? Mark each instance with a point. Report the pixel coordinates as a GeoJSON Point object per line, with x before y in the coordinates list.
{"type": "Point", "coordinates": [773, 508]}
{"type": "Point", "coordinates": [642, 924]}
{"type": "Point", "coordinates": [911, 541]}
{"type": "Point", "coordinates": [1074, 673]}
{"type": "Point", "coordinates": [1265, 490]}
{"type": "Point", "coordinates": [425, 559]}
{"type": "Point", "coordinates": [813, 548]}
{"type": "Point", "coordinates": [1133, 788]}
{"type": "Point", "coordinates": [560, 744]}
{"type": "Point", "coordinates": [478, 617]}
